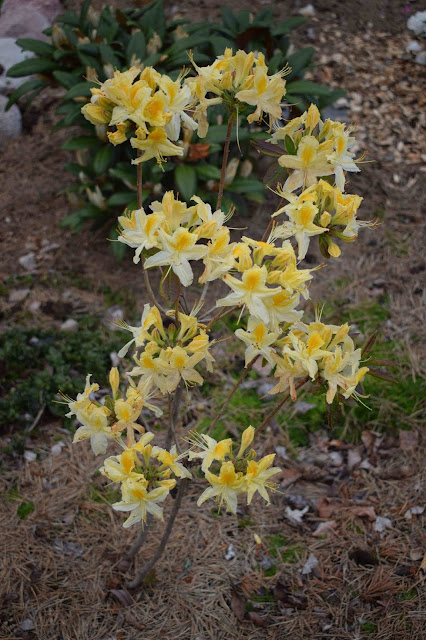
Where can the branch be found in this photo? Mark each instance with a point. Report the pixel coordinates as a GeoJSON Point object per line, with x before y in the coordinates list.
{"type": "Point", "coordinates": [225, 160]}
{"type": "Point", "coordinates": [278, 407]}
{"type": "Point", "coordinates": [136, 582]}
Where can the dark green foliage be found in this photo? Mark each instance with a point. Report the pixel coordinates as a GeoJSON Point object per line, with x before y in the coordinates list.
{"type": "Point", "coordinates": [120, 39]}
{"type": "Point", "coordinates": [36, 363]}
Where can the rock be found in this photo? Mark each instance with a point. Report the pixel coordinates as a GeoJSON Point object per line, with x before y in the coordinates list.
{"type": "Point", "coordinates": [70, 325]}
{"type": "Point", "coordinates": [308, 11]}
{"type": "Point", "coordinates": [27, 625]}
{"type": "Point", "coordinates": [417, 23]}
{"type": "Point", "coordinates": [115, 359]}
{"type": "Point", "coordinates": [112, 314]}
{"type": "Point", "coordinates": [303, 407]}
{"type": "Point", "coordinates": [57, 448]}
{"type": "Point", "coordinates": [28, 261]}
{"type": "Point", "coordinates": [27, 18]}
{"type": "Point", "coordinates": [11, 54]}
{"type": "Point", "coordinates": [263, 391]}
{"type": "Point", "coordinates": [311, 34]}
{"type": "Point", "coordinates": [421, 58]}
{"type": "Point", "coordinates": [34, 306]}
{"type": "Point", "coordinates": [413, 47]}
{"type": "Point", "coordinates": [30, 456]}
{"type": "Point", "coordinates": [341, 115]}
{"type": "Point", "coordinates": [17, 295]}
{"type": "Point", "coordinates": [10, 122]}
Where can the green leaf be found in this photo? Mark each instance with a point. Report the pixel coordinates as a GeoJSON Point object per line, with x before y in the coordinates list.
{"type": "Point", "coordinates": [287, 25]}
{"type": "Point", "coordinates": [28, 86]}
{"type": "Point", "coordinates": [79, 89]}
{"type": "Point", "coordinates": [219, 44]}
{"type": "Point", "coordinates": [217, 133]}
{"type": "Point", "coordinates": [207, 171]}
{"type": "Point", "coordinates": [108, 55]}
{"type": "Point", "coordinates": [245, 185]}
{"type": "Point", "coordinates": [66, 79]}
{"type": "Point", "coordinates": [308, 87]}
{"type": "Point", "coordinates": [83, 13]}
{"type": "Point", "coordinates": [118, 248]}
{"type": "Point", "coordinates": [76, 219]}
{"type": "Point", "coordinates": [68, 17]}
{"type": "Point", "coordinates": [290, 146]}
{"type": "Point", "coordinates": [24, 509]}
{"type": "Point", "coordinates": [155, 19]}
{"type": "Point", "coordinates": [299, 60]}
{"type": "Point", "coordinates": [121, 198]}
{"type": "Point", "coordinates": [229, 19]}
{"type": "Point", "coordinates": [80, 142]}
{"type": "Point", "coordinates": [186, 181]}
{"type": "Point", "coordinates": [125, 175]}
{"type": "Point", "coordinates": [136, 46]}
{"type": "Point", "coordinates": [37, 46]}
{"type": "Point", "coordinates": [102, 160]}
{"type": "Point", "coordinates": [185, 44]}
{"type": "Point", "coordinates": [31, 66]}
{"type": "Point", "coordinates": [183, 59]}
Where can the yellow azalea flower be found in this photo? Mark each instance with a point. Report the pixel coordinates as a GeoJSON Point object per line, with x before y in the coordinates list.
{"type": "Point", "coordinates": [155, 145]}
{"type": "Point", "coordinates": [150, 316]}
{"type": "Point", "coordinates": [257, 477]}
{"type": "Point", "coordinates": [241, 253]}
{"type": "Point", "coordinates": [140, 501]}
{"type": "Point", "coordinates": [154, 110]}
{"type": "Point", "coordinates": [119, 136]}
{"type": "Point", "coordinates": [120, 468]}
{"type": "Point", "coordinates": [95, 426]}
{"type": "Point", "coordinates": [176, 251]}
{"type": "Point", "coordinates": [301, 225]}
{"type": "Point", "coordinates": [178, 100]}
{"type": "Point", "coordinates": [310, 162]}
{"type": "Point", "coordinates": [184, 364]}
{"type": "Point", "coordinates": [128, 96]}
{"type": "Point", "coordinates": [140, 231]}
{"type": "Point", "coordinates": [173, 212]}
{"type": "Point", "coordinates": [210, 449]}
{"type": "Point", "coordinates": [258, 339]}
{"type": "Point", "coordinates": [282, 308]}
{"type": "Point", "coordinates": [96, 114]}
{"type": "Point", "coordinates": [287, 372]}
{"type": "Point", "coordinates": [266, 95]}
{"type": "Point", "coordinates": [225, 487]}
{"type": "Point", "coordinates": [250, 291]}
{"type": "Point", "coordinates": [170, 459]}
{"type": "Point", "coordinates": [341, 369]}
{"type": "Point", "coordinates": [307, 353]}
{"type": "Point", "coordinates": [219, 258]}
{"type": "Point", "coordinates": [341, 158]}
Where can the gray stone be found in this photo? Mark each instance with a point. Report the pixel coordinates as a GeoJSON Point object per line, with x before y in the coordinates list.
{"type": "Point", "coordinates": [11, 54]}
{"type": "Point", "coordinates": [341, 115]}
{"type": "Point", "coordinates": [27, 18]}
{"type": "Point", "coordinates": [10, 122]}
{"type": "Point", "coordinates": [421, 58]}
{"type": "Point", "coordinates": [303, 407]}
{"type": "Point", "coordinates": [28, 261]}
{"type": "Point", "coordinates": [70, 325]}
{"type": "Point", "coordinates": [308, 11]}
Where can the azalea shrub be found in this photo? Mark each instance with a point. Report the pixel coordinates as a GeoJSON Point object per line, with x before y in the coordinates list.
{"type": "Point", "coordinates": [190, 245]}
{"type": "Point", "coordinates": [91, 45]}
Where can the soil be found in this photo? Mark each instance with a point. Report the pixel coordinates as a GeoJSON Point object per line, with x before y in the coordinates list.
{"type": "Point", "coordinates": [61, 575]}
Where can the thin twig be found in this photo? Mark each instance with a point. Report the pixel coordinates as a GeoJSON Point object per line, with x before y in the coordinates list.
{"type": "Point", "coordinates": [225, 160]}
{"type": "Point", "coordinates": [219, 315]}
{"type": "Point", "coordinates": [151, 294]}
{"type": "Point", "coordinates": [278, 407]}
{"type": "Point", "coordinates": [231, 393]}
{"type": "Point", "coordinates": [136, 582]}
{"type": "Point", "coordinates": [139, 182]}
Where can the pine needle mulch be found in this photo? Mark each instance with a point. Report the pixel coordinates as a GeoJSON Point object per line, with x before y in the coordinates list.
{"type": "Point", "coordinates": [362, 533]}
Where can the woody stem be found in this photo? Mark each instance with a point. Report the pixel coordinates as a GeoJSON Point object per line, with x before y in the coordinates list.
{"type": "Point", "coordinates": [225, 160]}
{"type": "Point", "coordinates": [279, 405]}
{"type": "Point", "coordinates": [231, 393]}
{"type": "Point", "coordinates": [136, 582]}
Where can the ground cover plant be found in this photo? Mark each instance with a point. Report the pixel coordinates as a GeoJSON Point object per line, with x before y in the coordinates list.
{"type": "Point", "coordinates": [148, 109]}
{"type": "Point", "coordinates": [89, 43]}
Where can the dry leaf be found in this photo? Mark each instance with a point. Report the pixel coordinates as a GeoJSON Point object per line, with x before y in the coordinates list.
{"type": "Point", "coordinates": [296, 515]}
{"type": "Point", "coordinates": [325, 507]}
{"type": "Point", "coordinates": [382, 523]}
{"type": "Point", "coordinates": [288, 476]}
{"type": "Point", "coordinates": [257, 619]}
{"type": "Point", "coordinates": [365, 512]}
{"type": "Point", "coordinates": [310, 564]}
{"type": "Point", "coordinates": [238, 605]}
{"type": "Point", "coordinates": [324, 528]}
{"type": "Point", "coordinates": [423, 564]}
{"type": "Point", "coordinates": [354, 458]}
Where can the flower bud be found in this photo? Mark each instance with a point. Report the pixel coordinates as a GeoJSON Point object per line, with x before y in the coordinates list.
{"type": "Point", "coordinates": [114, 380]}
{"type": "Point", "coordinates": [325, 219]}
{"type": "Point", "coordinates": [246, 440]}
{"type": "Point", "coordinates": [95, 114]}
{"type": "Point", "coordinates": [333, 249]}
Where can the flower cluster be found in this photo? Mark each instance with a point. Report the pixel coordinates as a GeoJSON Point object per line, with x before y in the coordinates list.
{"type": "Point", "coordinates": [239, 473]}
{"type": "Point", "coordinates": [176, 234]}
{"type": "Point", "coordinates": [238, 79]}
{"type": "Point", "coordinates": [320, 209]}
{"type": "Point", "coordinates": [170, 351]}
{"type": "Point", "coordinates": [151, 109]}
{"type": "Point", "coordinates": [145, 474]}
{"type": "Point", "coordinates": [322, 352]}
{"type": "Point", "coordinates": [314, 148]}
{"type": "Point", "coordinates": [103, 422]}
